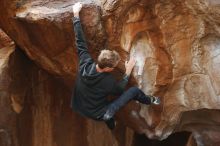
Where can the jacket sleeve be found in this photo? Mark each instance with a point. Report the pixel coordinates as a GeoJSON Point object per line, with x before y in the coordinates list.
{"type": "Point", "coordinates": [119, 87]}
{"type": "Point", "coordinates": [81, 45]}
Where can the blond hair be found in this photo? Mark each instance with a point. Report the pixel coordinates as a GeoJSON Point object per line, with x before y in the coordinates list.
{"type": "Point", "coordinates": [108, 58]}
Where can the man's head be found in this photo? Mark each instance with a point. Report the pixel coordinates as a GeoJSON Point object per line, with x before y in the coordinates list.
{"type": "Point", "coordinates": [107, 60]}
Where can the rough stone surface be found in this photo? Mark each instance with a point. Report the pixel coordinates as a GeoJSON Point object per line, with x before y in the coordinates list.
{"type": "Point", "coordinates": [35, 108]}
{"type": "Point", "coordinates": [7, 116]}
{"type": "Point", "coordinates": [176, 43]}
{"type": "Point", "coordinates": [203, 123]}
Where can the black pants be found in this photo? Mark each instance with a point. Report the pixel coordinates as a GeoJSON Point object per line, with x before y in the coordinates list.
{"type": "Point", "coordinates": [132, 93]}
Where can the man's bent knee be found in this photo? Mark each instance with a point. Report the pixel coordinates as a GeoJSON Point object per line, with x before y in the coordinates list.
{"type": "Point", "coordinates": [133, 89]}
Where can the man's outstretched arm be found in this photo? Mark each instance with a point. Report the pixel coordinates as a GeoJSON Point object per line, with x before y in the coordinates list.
{"type": "Point", "coordinates": [81, 45]}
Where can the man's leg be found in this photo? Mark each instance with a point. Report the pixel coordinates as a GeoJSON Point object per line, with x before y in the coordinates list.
{"type": "Point", "coordinates": [132, 93]}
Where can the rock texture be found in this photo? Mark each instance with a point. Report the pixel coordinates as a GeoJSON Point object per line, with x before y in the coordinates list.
{"type": "Point", "coordinates": [176, 43]}
{"type": "Point", "coordinates": [35, 108]}
{"type": "Point", "coordinates": [7, 117]}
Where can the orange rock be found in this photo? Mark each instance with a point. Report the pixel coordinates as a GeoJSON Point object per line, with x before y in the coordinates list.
{"type": "Point", "coordinates": [176, 44]}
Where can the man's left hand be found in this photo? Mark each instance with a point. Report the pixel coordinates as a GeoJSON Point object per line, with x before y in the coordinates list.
{"type": "Point", "coordinates": [76, 9]}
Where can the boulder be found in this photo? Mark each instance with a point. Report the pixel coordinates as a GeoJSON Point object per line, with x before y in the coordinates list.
{"type": "Point", "coordinates": [35, 107]}
{"type": "Point", "coordinates": [176, 44]}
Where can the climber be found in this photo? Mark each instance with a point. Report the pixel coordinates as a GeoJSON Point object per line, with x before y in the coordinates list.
{"type": "Point", "coordinates": [94, 82]}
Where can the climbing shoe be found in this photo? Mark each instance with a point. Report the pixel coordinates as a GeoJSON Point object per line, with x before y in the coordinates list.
{"type": "Point", "coordinates": [155, 100]}
{"type": "Point", "coordinates": [110, 123]}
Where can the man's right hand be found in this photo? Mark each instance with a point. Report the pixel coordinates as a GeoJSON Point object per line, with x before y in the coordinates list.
{"type": "Point", "coordinates": [129, 65]}
{"type": "Point", "coordinates": [76, 9]}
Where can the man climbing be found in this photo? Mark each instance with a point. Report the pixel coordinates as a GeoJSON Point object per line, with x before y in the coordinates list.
{"type": "Point", "coordinates": [94, 82]}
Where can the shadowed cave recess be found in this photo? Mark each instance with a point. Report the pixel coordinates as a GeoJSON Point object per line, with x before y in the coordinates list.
{"type": "Point", "coordinates": [177, 47]}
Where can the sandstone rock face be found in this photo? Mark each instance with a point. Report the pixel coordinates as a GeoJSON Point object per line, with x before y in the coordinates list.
{"type": "Point", "coordinates": [7, 117]}
{"type": "Point", "coordinates": [35, 108]}
{"type": "Point", "coordinates": [176, 43]}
